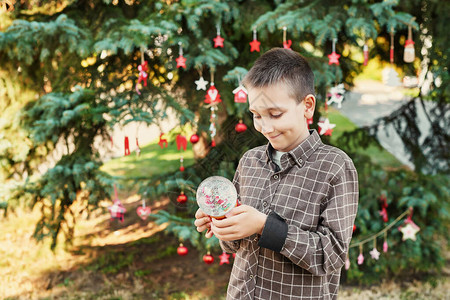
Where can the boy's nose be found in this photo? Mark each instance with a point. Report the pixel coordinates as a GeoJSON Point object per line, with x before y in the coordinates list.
{"type": "Point", "coordinates": [266, 128]}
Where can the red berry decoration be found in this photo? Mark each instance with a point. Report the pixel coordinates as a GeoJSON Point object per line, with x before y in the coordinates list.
{"type": "Point", "coordinates": [182, 198]}
{"type": "Point", "coordinates": [208, 258]}
{"type": "Point", "coordinates": [182, 168]}
{"type": "Point", "coordinates": [194, 138]}
{"type": "Point", "coordinates": [240, 127]}
{"type": "Point", "coordinates": [182, 250]}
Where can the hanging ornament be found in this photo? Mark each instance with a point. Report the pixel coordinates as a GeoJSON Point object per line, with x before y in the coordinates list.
{"type": "Point", "coordinates": [224, 258]}
{"type": "Point", "coordinates": [385, 243]}
{"type": "Point", "coordinates": [409, 54]}
{"type": "Point", "coordinates": [360, 256]}
{"type": "Point", "coordinates": [182, 198]}
{"type": "Point", "coordinates": [333, 57]}
{"type": "Point", "coordinates": [347, 262]}
{"type": "Point", "coordinates": [374, 252]}
{"type": "Point", "coordinates": [182, 250]}
{"type": "Point", "coordinates": [162, 141]}
{"type": "Point", "coordinates": [384, 205]}
{"type": "Point", "coordinates": [218, 40]}
{"type": "Point", "coordinates": [194, 138]}
{"type": "Point", "coordinates": [286, 44]}
{"type": "Point", "coordinates": [390, 76]}
{"type": "Point", "coordinates": [127, 146]}
{"type": "Point", "coordinates": [117, 210]}
{"type": "Point", "coordinates": [240, 94]}
{"type": "Point", "coordinates": [201, 84]}
{"type": "Point", "coordinates": [212, 95]}
{"type": "Point", "coordinates": [410, 229]}
{"type": "Point", "coordinates": [181, 142]}
{"type": "Point", "coordinates": [240, 127]}
{"type": "Point", "coordinates": [138, 149]}
{"type": "Point", "coordinates": [143, 211]}
{"type": "Point", "coordinates": [354, 228]}
{"type": "Point", "coordinates": [254, 45]}
{"type": "Point", "coordinates": [181, 61]}
{"type": "Point", "coordinates": [208, 258]}
{"type": "Point", "coordinates": [366, 54]}
{"type": "Point", "coordinates": [336, 95]}
{"type": "Point", "coordinates": [325, 127]}
{"type": "Point", "coordinates": [143, 69]}
{"type": "Point", "coordinates": [181, 164]}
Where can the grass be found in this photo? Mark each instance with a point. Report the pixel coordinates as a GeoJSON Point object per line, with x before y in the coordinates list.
{"type": "Point", "coordinates": [151, 160]}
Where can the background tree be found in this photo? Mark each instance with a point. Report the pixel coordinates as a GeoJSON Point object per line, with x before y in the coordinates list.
{"type": "Point", "coordinates": [70, 67]}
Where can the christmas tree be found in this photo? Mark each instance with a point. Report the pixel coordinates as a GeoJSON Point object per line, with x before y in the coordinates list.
{"type": "Point", "coordinates": [75, 69]}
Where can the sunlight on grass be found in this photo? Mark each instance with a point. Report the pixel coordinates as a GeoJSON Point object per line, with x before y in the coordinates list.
{"type": "Point", "coordinates": [152, 160]}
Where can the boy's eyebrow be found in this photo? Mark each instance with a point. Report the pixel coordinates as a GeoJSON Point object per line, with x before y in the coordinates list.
{"type": "Point", "coordinates": [265, 108]}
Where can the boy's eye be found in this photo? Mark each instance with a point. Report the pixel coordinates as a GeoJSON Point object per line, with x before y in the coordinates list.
{"type": "Point", "coordinates": [256, 117]}
{"type": "Point", "coordinates": [276, 116]}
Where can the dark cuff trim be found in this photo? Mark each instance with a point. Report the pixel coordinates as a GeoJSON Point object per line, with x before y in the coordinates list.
{"type": "Point", "coordinates": [274, 233]}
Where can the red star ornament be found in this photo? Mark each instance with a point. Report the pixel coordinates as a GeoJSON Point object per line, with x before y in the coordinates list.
{"type": "Point", "coordinates": [212, 95]}
{"type": "Point", "coordinates": [218, 41]}
{"type": "Point", "coordinates": [224, 258]}
{"type": "Point", "coordinates": [255, 45]}
{"type": "Point", "coordinates": [181, 62]}
{"type": "Point", "coordinates": [333, 58]}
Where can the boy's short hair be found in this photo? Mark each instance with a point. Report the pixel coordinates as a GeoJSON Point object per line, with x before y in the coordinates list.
{"type": "Point", "coordinates": [285, 66]}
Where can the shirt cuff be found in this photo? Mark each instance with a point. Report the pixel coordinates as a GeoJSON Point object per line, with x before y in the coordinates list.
{"type": "Point", "coordinates": [274, 233]}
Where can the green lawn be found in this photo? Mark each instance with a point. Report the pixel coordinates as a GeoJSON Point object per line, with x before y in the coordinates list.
{"type": "Point", "coordinates": [152, 160]}
{"type": "Point", "coordinates": [155, 160]}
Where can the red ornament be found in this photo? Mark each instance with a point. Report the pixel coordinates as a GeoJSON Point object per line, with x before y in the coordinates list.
{"type": "Point", "coordinates": [162, 141]}
{"type": "Point", "coordinates": [127, 146]}
{"type": "Point", "coordinates": [255, 45]}
{"type": "Point", "coordinates": [181, 142]}
{"type": "Point", "coordinates": [212, 95]}
{"type": "Point", "coordinates": [181, 164]}
{"type": "Point", "coordinates": [240, 127]}
{"type": "Point", "coordinates": [182, 168]}
{"type": "Point", "coordinates": [354, 227]}
{"type": "Point", "coordinates": [224, 258]}
{"type": "Point", "coordinates": [182, 250]}
{"type": "Point", "coordinates": [194, 138]}
{"type": "Point", "coordinates": [384, 205]}
{"type": "Point", "coordinates": [143, 68]}
{"type": "Point", "coordinates": [208, 258]}
{"type": "Point", "coordinates": [218, 41]}
{"type": "Point", "coordinates": [240, 94]}
{"type": "Point", "coordinates": [213, 143]}
{"type": "Point", "coordinates": [181, 62]}
{"type": "Point", "coordinates": [287, 44]}
{"type": "Point", "coordinates": [182, 198]}
{"type": "Point", "coordinates": [143, 212]}
{"type": "Point", "coordinates": [333, 58]}
{"type": "Point", "coordinates": [366, 54]}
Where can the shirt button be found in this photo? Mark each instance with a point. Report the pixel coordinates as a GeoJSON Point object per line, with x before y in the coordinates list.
{"type": "Point", "coordinates": [300, 161]}
{"type": "Point", "coordinates": [265, 203]}
{"type": "Point", "coordinates": [275, 176]}
{"type": "Point", "coordinates": [255, 239]}
{"type": "Point", "coordinates": [251, 276]}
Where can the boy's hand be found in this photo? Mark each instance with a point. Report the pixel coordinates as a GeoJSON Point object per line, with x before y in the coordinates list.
{"type": "Point", "coordinates": [202, 222]}
{"type": "Point", "coordinates": [241, 222]}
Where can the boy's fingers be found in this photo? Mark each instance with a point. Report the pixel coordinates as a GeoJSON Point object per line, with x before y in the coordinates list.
{"type": "Point", "coordinates": [237, 210]}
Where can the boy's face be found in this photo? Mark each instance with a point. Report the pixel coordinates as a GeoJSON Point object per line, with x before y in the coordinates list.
{"type": "Point", "coordinates": [279, 117]}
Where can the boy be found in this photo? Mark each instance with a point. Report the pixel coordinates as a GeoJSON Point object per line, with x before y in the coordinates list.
{"type": "Point", "coordinates": [299, 196]}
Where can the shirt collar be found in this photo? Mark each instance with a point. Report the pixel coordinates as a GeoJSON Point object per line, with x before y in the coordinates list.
{"type": "Point", "coordinates": [300, 153]}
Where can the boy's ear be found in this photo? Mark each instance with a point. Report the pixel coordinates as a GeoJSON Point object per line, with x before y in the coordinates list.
{"type": "Point", "coordinates": [310, 105]}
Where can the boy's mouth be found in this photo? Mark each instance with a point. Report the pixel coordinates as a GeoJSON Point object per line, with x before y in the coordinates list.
{"type": "Point", "coordinates": [274, 136]}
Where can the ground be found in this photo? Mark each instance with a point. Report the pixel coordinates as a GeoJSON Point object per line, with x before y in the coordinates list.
{"type": "Point", "coordinates": [136, 260]}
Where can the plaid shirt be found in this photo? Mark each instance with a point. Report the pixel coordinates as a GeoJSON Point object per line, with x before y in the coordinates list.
{"type": "Point", "coordinates": [311, 203]}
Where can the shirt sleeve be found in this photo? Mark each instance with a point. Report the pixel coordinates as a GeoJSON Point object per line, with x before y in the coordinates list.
{"type": "Point", "coordinates": [323, 251]}
{"type": "Point", "coordinates": [233, 246]}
